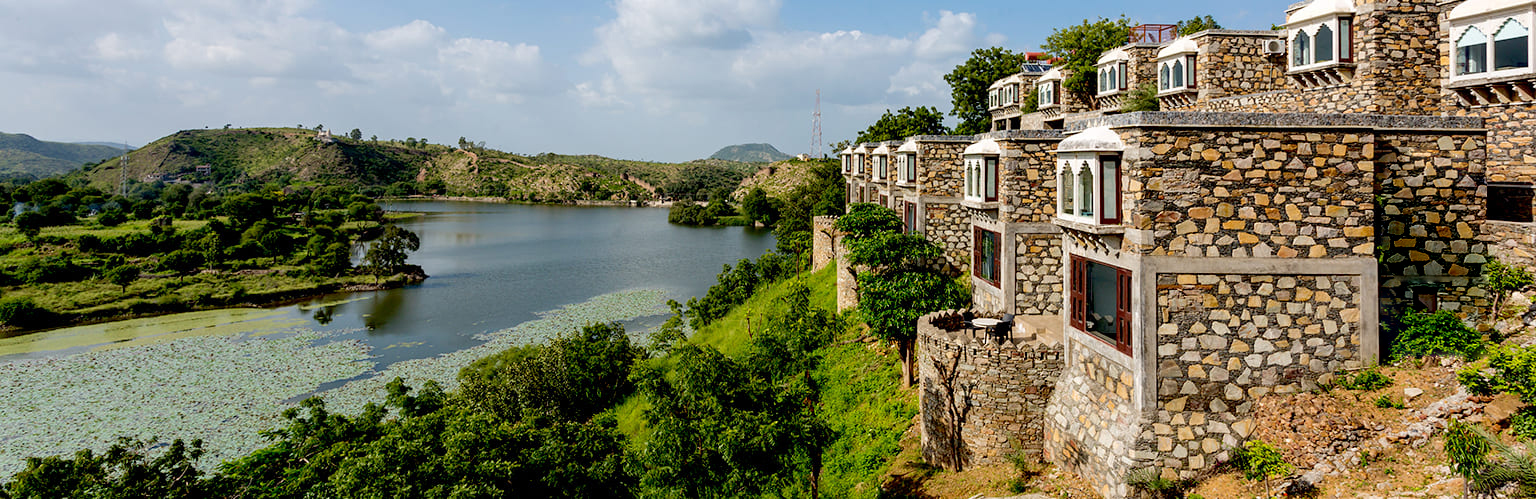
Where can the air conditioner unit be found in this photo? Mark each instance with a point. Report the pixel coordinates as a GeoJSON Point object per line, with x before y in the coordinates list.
{"type": "Point", "coordinates": [1274, 47]}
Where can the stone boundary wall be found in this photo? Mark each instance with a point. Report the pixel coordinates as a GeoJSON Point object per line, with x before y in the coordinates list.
{"type": "Point", "coordinates": [993, 395]}
{"type": "Point", "coordinates": [1232, 62]}
{"type": "Point", "coordinates": [827, 247]}
{"type": "Point", "coordinates": [1513, 242]}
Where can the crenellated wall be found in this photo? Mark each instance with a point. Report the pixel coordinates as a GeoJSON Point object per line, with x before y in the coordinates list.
{"type": "Point", "coordinates": [981, 400]}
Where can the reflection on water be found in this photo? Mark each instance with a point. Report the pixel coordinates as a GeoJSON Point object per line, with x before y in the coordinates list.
{"type": "Point", "coordinates": [492, 266]}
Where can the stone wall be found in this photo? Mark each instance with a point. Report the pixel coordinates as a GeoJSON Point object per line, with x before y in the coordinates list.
{"type": "Point", "coordinates": [1432, 218]}
{"type": "Point", "coordinates": [1091, 421]}
{"type": "Point", "coordinates": [1026, 176]}
{"type": "Point", "coordinates": [1230, 339]}
{"type": "Point", "coordinates": [1234, 63]}
{"type": "Point", "coordinates": [940, 186]}
{"type": "Point", "coordinates": [827, 246]}
{"type": "Point", "coordinates": [940, 169]}
{"type": "Point", "coordinates": [980, 400]}
{"type": "Point", "coordinates": [1038, 269]}
{"type": "Point", "coordinates": [1513, 243]}
{"type": "Point", "coordinates": [1253, 193]}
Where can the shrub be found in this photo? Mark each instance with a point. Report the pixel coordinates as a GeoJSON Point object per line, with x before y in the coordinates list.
{"type": "Point", "coordinates": [1142, 98]}
{"type": "Point", "coordinates": [1502, 279]}
{"type": "Point", "coordinates": [20, 312]}
{"type": "Point", "coordinates": [1367, 380]}
{"type": "Point", "coordinates": [1523, 424]}
{"type": "Point", "coordinates": [1386, 402]}
{"type": "Point", "coordinates": [1438, 333]}
{"type": "Point", "coordinates": [1149, 483]}
{"type": "Point", "coordinates": [1261, 461]}
{"type": "Point", "coordinates": [1507, 370]}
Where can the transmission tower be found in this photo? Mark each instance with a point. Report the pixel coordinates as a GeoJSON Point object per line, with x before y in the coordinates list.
{"type": "Point", "coordinates": [122, 173]}
{"type": "Point", "coordinates": [816, 128]}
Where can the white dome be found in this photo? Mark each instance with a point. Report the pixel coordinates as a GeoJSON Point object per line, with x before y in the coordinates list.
{"type": "Point", "coordinates": [1472, 8]}
{"type": "Point", "coordinates": [1116, 55]}
{"type": "Point", "coordinates": [1097, 139]}
{"type": "Point", "coordinates": [1320, 9]}
{"type": "Point", "coordinates": [1185, 45]}
{"type": "Point", "coordinates": [846, 151]}
{"type": "Point", "coordinates": [1052, 75]}
{"type": "Point", "coordinates": [1005, 81]}
{"type": "Point", "coordinates": [910, 146]}
{"type": "Point", "coordinates": [985, 147]}
{"type": "Point", "coordinates": [882, 150]}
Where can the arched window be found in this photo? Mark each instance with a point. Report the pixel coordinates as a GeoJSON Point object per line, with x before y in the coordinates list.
{"type": "Point", "coordinates": [1323, 41]}
{"type": "Point", "coordinates": [1162, 77]}
{"type": "Point", "coordinates": [1103, 79]}
{"type": "Point", "coordinates": [1085, 181]}
{"type": "Point", "coordinates": [1472, 52]}
{"type": "Point", "coordinates": [1114, 81]}
{"type": "Point", "coordinates": [1178, 74]}
{"type": "Point", "coordinates": [1068, 185]}
{"type": "Point", "coordinates": [1300, 49]}
{"type": "Point", "coordinates": [1510, 49]}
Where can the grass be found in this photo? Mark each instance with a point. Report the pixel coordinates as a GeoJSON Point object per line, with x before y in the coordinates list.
{"type": "Point", "coordinates": [862, 401]}
{"type": "Point", "coordinates": [10, 237]}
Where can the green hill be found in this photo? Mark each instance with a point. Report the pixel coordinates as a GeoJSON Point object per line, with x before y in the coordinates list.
{"type": "Point", "coordinates": [256, 156]}
{"type": "Point", "coordinates": [23, 156]}
{"type": "Point", "coordinates": [750, 153]}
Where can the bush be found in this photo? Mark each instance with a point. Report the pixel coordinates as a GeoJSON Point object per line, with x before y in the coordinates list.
{"type": "Point", "coordinates": [22, 312]}
{"type": "Point", "coordinates": [1523, 424]}
{"type": "Point", "coordinates": [1439, 333]}
{"type": "Point", "coordinates": [1386, 402]}
{"type": "Point", "coordinates": [1149, 483]}
{"type": "Point", "coordinates": [1367, 380]}
{"type": "Point", "coordinates": [1261, 461]}
{"type": "Point", "coordinates": [1506, 370]}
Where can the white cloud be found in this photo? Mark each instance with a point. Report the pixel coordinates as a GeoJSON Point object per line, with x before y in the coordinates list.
{"type": "Point", "coordinates": [670, 55]}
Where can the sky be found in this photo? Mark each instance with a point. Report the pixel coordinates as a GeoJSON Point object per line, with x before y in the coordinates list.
{"type": "Point", "coordinates": [661, 80]}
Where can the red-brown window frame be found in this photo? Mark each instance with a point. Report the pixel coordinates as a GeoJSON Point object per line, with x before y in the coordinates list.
{"type": "Point", "coordinates": [909, 216]}
{"type": "Point", "coordinates": [997, 184]}
{"type": "Point", "coordinates": [1078, 313]}
{"type": "Point", "coordinates": [1106, 215]}
{"type": "Point", "coordinates": [997, 260]}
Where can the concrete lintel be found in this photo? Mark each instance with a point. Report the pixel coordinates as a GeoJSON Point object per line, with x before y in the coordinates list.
{"type": "Point", "coordinates": [1033, 228]}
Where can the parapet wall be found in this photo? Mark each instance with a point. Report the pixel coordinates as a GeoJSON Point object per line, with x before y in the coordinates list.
{"type": "Point", "coordinates": [827, 248]}
{"type": "Point", "coordinates": [982, 400]}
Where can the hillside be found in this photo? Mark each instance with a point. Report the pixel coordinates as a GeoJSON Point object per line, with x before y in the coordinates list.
{"type": "Point", "coordinates": [256, 156]}
{"type": "Point", "coordinates": [24, 156]}
{"type": "Point", "coordinates": [750, 153]}
{"type": "Point", "coordinates": [779, 178]}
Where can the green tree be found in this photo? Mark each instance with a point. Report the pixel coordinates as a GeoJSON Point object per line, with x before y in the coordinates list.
{"type": "Point", "coordinates": [756, 206]}
{"type": "Point", "coordinates": [123, 275]}
{"type": "Point", "coordinates": [30, 223]}
{"type": "Point", "coordinates": [968, 84]}
{"type": "Point", "coordinates": [1142, 98]}
{"type": "Point", "coordinates": [124, 470]}
{"type": "Point", "coordinates": [181, 261]}
{"type": "Point", "coordinates": [905, 123]}
{"type": "Point", "coordinates": [896, 286]}
{"type": "Point", "coordinates": [386, 256]}
{"type": "Point", "coordinates": [1079, 48]}
{"type": "Point", "coordinates": [1197, 24]}
{"type": "Point", "coordinates": [357, 134]}
{"type": "Point", "coordinates": [364, 212]}
{"type": "Point", "coordinates": [245, 209]}
{"type": "Point", "coordinates": [1502, 279]}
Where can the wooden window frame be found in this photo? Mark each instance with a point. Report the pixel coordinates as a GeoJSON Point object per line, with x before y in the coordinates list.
{"type": "Point", "coordinates": [1078, 303]}
{"type": "Point", "coordinates": [976, 256]}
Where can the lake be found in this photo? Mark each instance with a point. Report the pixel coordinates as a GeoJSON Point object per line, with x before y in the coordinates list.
{"type": "Point", "coordinates": [501, 275]}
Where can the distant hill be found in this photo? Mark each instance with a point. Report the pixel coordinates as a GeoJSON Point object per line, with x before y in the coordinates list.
{"type": "Point", "coordinates": [254, 156]}
{"type": "Point", "coordinates": [23, 156]}
{"type": "Point", "coordinates": [751, 153]}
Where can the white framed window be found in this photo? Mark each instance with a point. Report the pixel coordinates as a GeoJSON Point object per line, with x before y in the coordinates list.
{"type": "Point", "coordinates": [1322, 43]}
{"type": "Point", "coordinates": [1176, 74]}
{"type": "Point", "coordinates": [1088, 177]}
{"type": "Point", "coordinates": [981, 178]}
{"type": "Point", "coordinates": [879, 164]}
{"type": "Point", "coordinates": [992, 99]}
{"type": "Point", "coordinates": [1492, 39]}
{"type": "Point", "coordinates": [846, 164]}
{"type": "Point", "coordinates": [906, 167]}
{"type": "Point", "coordinates": [858, 164]}
{"type": "Point", "coordinates": [1047, 95]}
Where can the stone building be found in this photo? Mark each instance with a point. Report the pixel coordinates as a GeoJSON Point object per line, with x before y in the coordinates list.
{"type": "Point", "coordinates": [1300, 188]}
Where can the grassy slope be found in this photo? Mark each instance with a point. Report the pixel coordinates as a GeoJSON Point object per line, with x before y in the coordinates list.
{"type": "Point", "coordinates": [863, 400]}
{"type": "Point", "coordinates": [23, 155]}
{"type": "Point", "coordinates": [780, 178]}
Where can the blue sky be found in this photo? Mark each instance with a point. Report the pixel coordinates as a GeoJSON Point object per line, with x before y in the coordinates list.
{"type": "Point", "coordinates": [668, 80]}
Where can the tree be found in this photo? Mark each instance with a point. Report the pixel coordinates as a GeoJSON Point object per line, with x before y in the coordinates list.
{"type": "Point", "coordinates": [1142, 98]}
{"type": "Point", "coordinates": [246, 209]}
{"type": "Point", "coordinates": [896, 287]}
{"type": "Point", "coordinates": [181, 261]}
{"type": "Point", "coordinates": [386, 256]}
{"type": "Point", "coordinates": [30, 223]}
{"type": "Point", "coordinates": [1197, 24]}
{"type": "Point", "coordinates": [365, 212]}
{"type": "Point", "coordinates": [1080, 46]}
{"type": "Point", "coordinates": [357, 134]}
{"type": "Point", "coordinates": [905, 123]}
{"type": "Point", "coordinates": [123, 275]}
{"type": "Point", "coordinates": [756, 206]}
{"type": "Point", "coordinates": [968, 84]}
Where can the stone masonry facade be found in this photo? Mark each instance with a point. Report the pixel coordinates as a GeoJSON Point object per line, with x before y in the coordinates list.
{"type": "Point", "coordinates": [1261, 235]}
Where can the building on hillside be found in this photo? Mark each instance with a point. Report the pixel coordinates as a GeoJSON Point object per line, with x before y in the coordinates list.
{"type": "Point", "coordinates": [1300, 188]}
